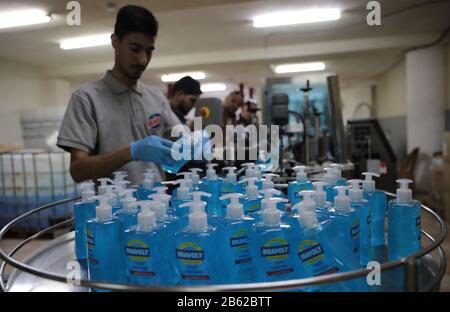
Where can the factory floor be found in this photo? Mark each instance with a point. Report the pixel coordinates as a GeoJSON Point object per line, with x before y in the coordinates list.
{"type": "Point", "coordinates": [9, 243]}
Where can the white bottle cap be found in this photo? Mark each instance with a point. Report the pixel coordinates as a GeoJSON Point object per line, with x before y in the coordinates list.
{"type": "Point", "coordinates": [197, 196]}
{"type": "Point", "coordinates": [120, 175]}
{"type": "Point", "coordinates": [231, 176]}
{"type": "Point", "coordinates": [146, 220]}
{"type": "Point", "coordinates": [87, 191]}
{"type": "Point", "coordinates": [194, 175]}
{"type": "Point", "coordinates": [330, 178]}
{"type": "Point", "coordinates": [198, 221]}
{"type": "Point", "coordinates": [128, 201]}
{"type": "Point", "coordinates": [320, 196]}
{"type": "Point", "coordinates": [160, 189]}
{"type": "Point", "coordinates": [163, 198]}
{"type": "Point", "coordinates": [268, 183]}
{"type": "Point", "coordinates": [337, 169]}
{"type": "Point", "coordinates": [355, 193]}
{"type": "Point", "coordinates": [159, 208]}
{"type": "Point", "coordinates": [341, 201]}
{"type": "Point", "coordinates": [268, 194]}
{"type": "Point", "coordinates": [187, 177]}
{"type": "Point", "coordinates": [146, 205]}
{"type": "Point", "coordinates": [103, 212]}
{"type": "Point", "coordinates": [368, 184]}
{"type": "Point", "coordinates": [235, 210]}
{"type": "Point", "coordinates": [183, 190]}
{"type": "Point", "coordinates": [103, 183]}
{"type": "Point", "coordinates": [308, 219]}
{"type": "Point", "coordinates": [211, 172]}
{"type": "Point", "coordinates": [149, 180]}
{"type": "Point", "coordinates": [251, 190]}
{"type": "Point", "coordinates": [404, 194]}
{"type": "Point", "coordinates": [301, 175]}
{"type": "Point", "coordinates": [271, 215]}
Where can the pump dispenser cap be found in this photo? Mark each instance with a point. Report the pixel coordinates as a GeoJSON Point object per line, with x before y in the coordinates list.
{"type": "Point", "coordinates": [187, 176]}
{"type": "Point", "coordinates": [103, 212]}
{"type": "Point", "coordinates": [211, 172]}
{"type": "Point", "coordinates": [146, 205]}
{"type": "Point", "coordinates": [330, 177]}
{"type": "Point", "coordinates": [197, 196]}
{"type": "Point", "coordinates": [183, 190]}
{"type": "Point", "coordinates": [268, 183]}
{"type": "Point", "coordinates": [231, 176]}
{"type": "Point", "coordinates": [369, 184]}
{"type": "Point", "coordinates": [149, 180]}
{"type": "Point", "coordinates": [355, 193]}
{"type": "Point", "coordinates": [198, 221]}
{"type": "Point", "coordinates": [271, 215]}
{"type": "Point", "coordinates": [103, 183]}
{"type": "Point", "coordinates": [160, 189]}
{"type": "Point", "coordinates": [194, 174]}
{"type": "Point", "coordinates": [337, 169]}
{"type": "Point", "coordinates": [235, 209]}
{"type": "Point", "coordinates": [341, 201]}
{"type": "Point", "coordinates": [128, 200]}
{"type": "Point", "coordinates": [163, 198]}
{"type": "Point", "coordinates": [160, 210]}
{"type": "Point", "coordinates": [268, 193]}
{"type": "Point", "coordinates": [301, 175]}
{"type": "Point", "coordinates": [320, 196]}
{"type": "Point", "coordinates": [404, 193]}
{"type": "Point", "coordinates": [146, 220]}
{"type": "Point", "coordinates": [251, 189]}
{"type": "Point", "coordinates": [87, 190]}
{"type": "Point", "coordinates": [306, 210]}
{"type": "Point", "coordinates": [120, 175]}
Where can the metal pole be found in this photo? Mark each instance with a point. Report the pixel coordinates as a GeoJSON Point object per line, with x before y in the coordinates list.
{"type": "Point", "coordinates": [306, 91]}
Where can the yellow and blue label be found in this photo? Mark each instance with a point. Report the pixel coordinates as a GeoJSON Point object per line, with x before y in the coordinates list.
{"type": "Point", "coordinates": [275, 249]}
{"type": "Point", "coordinates": [239, 239]}
{"type": "Point", "coordinates": [311, 252]}
{"type": "Point", "coordinates": [190, 253]}
{"type": "Point", "coordinates": [137, 250]}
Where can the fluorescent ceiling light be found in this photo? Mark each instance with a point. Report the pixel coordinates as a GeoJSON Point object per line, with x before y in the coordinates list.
{"type": "Point", "coordinates": [296, 17]}
{"type": "Point", "coordinates": [23, 17]}
{"type": "Point", "coordinates": [85, 42]}
{"type": "Point", "coordinates": [178, 76]}
{"type": "Point", "coordinates": [297, 68]}
{"type": "Point", "coordinates": [213, 87]}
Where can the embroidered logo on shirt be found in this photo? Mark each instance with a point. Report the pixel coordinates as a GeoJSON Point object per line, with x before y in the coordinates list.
{"type": "Point", "coordinates": [154, 121]}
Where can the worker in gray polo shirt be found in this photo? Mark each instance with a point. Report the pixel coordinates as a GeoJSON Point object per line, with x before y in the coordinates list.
{"type": "Point", "coordinates": [118, 122]}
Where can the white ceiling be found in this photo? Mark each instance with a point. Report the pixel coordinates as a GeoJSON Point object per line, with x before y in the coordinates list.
{"type": "Point", "coordinates": [216, 36]}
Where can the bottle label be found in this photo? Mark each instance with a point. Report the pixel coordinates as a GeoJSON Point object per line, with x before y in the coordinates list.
{"type": "Point", "coordinates": [139, 259]}
{"type": "Point", "coordinates": [314, 259]}
{"type": "Point", "coordinates": [276, 253]}
{"type": "Point", "coordinates": [239, 244]}
{"type": "Point", "coordinates": [192, 259]}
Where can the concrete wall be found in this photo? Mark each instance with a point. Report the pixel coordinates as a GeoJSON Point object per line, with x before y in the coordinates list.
{"type": "Point", "coordinates": [23, 87]}
{"type": "Point", "coordinates": [357, 100]}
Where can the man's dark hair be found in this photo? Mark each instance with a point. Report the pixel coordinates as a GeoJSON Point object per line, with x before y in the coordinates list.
{"type": "Point", "coordinates": [133, 18]}
{"type": "Point", "coordinates": [187, 85]}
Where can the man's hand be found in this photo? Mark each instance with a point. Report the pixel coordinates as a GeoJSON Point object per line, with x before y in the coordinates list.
{"type": "Point", "coordinates": [152, 149]}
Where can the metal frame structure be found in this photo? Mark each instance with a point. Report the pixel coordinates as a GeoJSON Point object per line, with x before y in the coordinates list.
{"type": "Point", "coordinates": [410, 263]}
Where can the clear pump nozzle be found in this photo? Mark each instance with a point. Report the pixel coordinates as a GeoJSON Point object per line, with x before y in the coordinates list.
{"type": "Point", "coordinates": [198, 220]}
{"type": "Point", "coordinates": [235, 209]}
{"type": "Point", "coordinates": [251, 189]}
{"type": "Point", "coordinates": [337, 169]}
{"type": "Point", "coordinates": [87, 190]}
{"type": "Point", "coordinates": [187, 177]}
{"type": "Point", "coordinates": [268, 183]}
{"type": "Point", "coordinates": [330, 177]}
{"type": "Point", "coordinates": [146, 220]}
{"type": "Point", "coordinates": [368, 183]}
{"type": "Point", "coordinates": [307, 210]}
{"type": "Point", "coordinates": [271, 215]}
{"type": "Point", "coordinates": [194, 175]}
{"type": "Point", "coordinates": [128, 201]}
{"type": "Point", "coordinates": [103, 212]}
{"type": "Point", "coordinates": [320, 196]}
{"type": "Point", "coordinates": [231, 176]}
{"type": "Point", "coordinates": [211, 172]}
{"type": "Point", "coordinates": [268, 195]}
{"type": "Point", "coordinates": [183, 190]}
{"type": "Point", "coordinates": [300, 173]}
{"type": "Point", "coordinates": [341, 201]}
{"type": "Point", "coordinates": [355, 193]}
{"type": "Point", "coordinates": [103, 184]}
{"type": "Point", "coordinates": [404, 193]}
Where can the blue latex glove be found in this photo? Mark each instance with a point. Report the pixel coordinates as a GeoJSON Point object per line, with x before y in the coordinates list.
{"type": "Point", "coordinates": [152, 149]}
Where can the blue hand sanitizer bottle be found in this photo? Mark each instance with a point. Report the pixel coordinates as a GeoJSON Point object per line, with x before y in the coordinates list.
{"type": "Point", "coordinates": [169, 226]}
{"type": "Point", "coordinates": [313, 249]}
{"type": "Point", "coordinates": [271, 247]}
{"type": "Point", "coordinates": [145, 189]}
{"type": "Point", "coordinates": [142, 251]}
{"type": "Point", "coordinates": [323, 208]}
{"type": "Point", "coordinates": [103, 234]}
{"type": "Point", "coordinates": [252, 200]}
{"type": "Point", "coordinates": [83, 211]}
{"type": "Point", "coordinates": [301, 183]}
{"type": "Point", "coordinates": [128, 214]}
{"type": "Point", "coordinates": [213, 183]}
{"type": "Point", "coordinates": [252, 171]}
{"type": "Point", "coordinates": [362, 206]}
{"type": "Point", "coordinates": [346, 221]}
{"type": "Point", "coordinates": [196, 181]}
{"type": "Point", "coordinates": [404, 223]}
{"type": "Point", "coordinates": [378, 205]}
{"type": "Point", "coordinates": [233, 242]}
{"type": "Point", "coordinates": [196, 255]}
